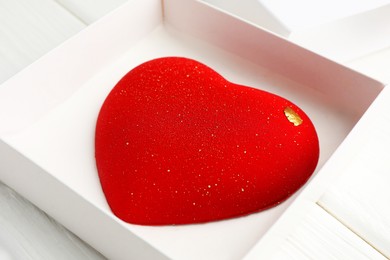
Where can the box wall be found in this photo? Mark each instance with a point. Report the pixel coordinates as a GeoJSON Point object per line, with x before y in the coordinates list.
{"type": "Point", "coordinates": [272, 52]}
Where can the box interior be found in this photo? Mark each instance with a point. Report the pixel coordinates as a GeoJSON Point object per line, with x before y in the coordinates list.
{"type": "Point", "coordinates": [52, 123]}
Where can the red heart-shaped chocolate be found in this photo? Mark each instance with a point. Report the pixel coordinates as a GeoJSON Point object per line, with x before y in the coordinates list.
{"type": "Point", "coordinates": [177, 143]}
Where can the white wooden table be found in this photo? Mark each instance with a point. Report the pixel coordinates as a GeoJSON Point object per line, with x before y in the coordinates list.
{"type": "Point", "coordinates": [31, 28]}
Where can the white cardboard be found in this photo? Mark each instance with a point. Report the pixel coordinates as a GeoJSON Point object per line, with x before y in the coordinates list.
{"type": "Point", "coordinates": [302, 14]}
{"type": "Point", "coordinates": [339, 29]}
{"type": "Point", "coordinates": [361, 194]}
{"type": "Point", "coordinates": [350, 37]}
{"type": "Point", "coordinates": [376, 65]}
{"type": "Point", "coordinates": [47, 130]}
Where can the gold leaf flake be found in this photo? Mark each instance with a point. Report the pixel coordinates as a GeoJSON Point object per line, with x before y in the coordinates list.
{"type": "Point", "coordinates": [292, 116]}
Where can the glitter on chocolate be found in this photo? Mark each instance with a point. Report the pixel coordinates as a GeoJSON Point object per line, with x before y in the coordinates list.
{"type": "Point", "coordinates": [176, 143]}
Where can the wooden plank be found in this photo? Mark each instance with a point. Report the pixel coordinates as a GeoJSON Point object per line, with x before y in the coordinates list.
{"type": "Point", "coordinates": [28, 233]}
{"type": "Point", "coordinates": [360, 198]}
{"type": "Point", "coordinates": [321, 236]}
{"type": "Point", "coordinates": [29, 29]}
{"type": "Point", "coordinates": [89, 11]}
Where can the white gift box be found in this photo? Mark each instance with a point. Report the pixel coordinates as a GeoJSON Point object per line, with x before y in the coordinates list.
{"type": "Point", "coordinates": [339, 29]}
{"type": "Point", "coordinates": [48, 114]}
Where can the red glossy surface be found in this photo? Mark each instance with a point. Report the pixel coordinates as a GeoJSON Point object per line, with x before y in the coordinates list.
{"type": "Point", "coordinates": [176, 143]}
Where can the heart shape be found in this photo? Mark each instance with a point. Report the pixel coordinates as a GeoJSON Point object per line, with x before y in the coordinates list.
{"type": "Point", "coordinates": [176, 143]}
